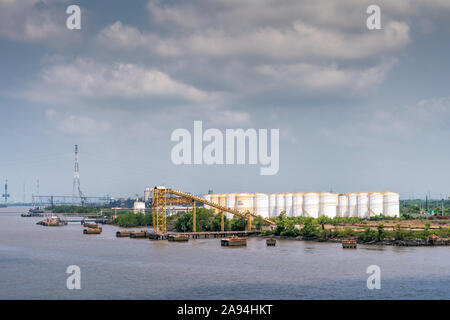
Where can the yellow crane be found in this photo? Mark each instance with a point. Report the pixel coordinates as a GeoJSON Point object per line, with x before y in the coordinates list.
{"type": "Point", "coordinates": [160, 209]}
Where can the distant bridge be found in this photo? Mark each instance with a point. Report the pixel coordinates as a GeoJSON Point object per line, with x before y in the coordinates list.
{"type": "Point", "coordinates": [70, 200]}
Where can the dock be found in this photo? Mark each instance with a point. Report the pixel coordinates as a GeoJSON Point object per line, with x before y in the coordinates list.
{"type": "Point", "coordinates": [221, 234]}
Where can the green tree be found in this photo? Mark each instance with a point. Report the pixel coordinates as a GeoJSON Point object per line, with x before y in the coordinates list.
{"type": "Point", "coordinates": [323, 220]}
{"type": "Point", "coordinates": [238, 223]}
{"type": "Point", "coordinates": [368, 235]}
{"type": "Point", "coordinates": [309, 228]}
{"type": "Point", "coordinates": [380, 232]}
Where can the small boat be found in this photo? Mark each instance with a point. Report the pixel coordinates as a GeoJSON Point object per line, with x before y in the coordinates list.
{"type": "Point", "coordinates": [271, 242]}
{"type": "Point", "coordinates": [53, 221]}
{"type": "Point", "coordinates": [92, 231]}
{"type": "Point", "coordinates": [233, 242]}
{"type": "Point", "coordinates": [34, 212]}
{"type": "Point", "coordinates": [178, 237]}
{"type": "Point", "coordinates": [349, 244]}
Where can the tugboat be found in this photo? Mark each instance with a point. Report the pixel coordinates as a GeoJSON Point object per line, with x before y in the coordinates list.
{"type": "Point", "coordinates": [53, 221]}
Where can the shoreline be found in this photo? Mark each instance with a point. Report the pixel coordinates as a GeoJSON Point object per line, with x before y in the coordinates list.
{"type": "Point", "coordinates": [385, 242]}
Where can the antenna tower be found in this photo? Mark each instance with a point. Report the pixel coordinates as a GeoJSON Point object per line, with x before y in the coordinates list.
{"type": "Point", "coordinates": [76, 180]}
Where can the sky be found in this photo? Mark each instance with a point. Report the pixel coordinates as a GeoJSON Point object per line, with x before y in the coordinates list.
{"type": "Point", "coordinates": [358, 110]}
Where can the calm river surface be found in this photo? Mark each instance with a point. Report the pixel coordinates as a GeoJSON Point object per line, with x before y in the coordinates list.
{"type": "Point", "coordinates": [34, 259]}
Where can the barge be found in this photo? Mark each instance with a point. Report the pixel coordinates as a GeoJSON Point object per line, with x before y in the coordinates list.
{"type": "Point", "coordinates": [178, 237]}
{"type": "Point", "coordinates": [92, 231]}
{"type": "Point", "coordinates": [233, 242]}
{"type": "Point", "coordinates": [349, 244]}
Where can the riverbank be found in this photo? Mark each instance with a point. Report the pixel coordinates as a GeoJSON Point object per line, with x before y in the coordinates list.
{"type": "Point", "coordinates": [431, 241]}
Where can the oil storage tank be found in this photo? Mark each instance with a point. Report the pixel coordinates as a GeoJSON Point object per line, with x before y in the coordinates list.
{"type": "Point", "coordinates": [352, 204]}
{"type": "Point", "coordinates": [261, 204]}
{"type": "Point", "coordinates": [311, 204]}
{"type": "Point", "coordinates": [244, 202]}
{"type": "Point", "coordinates": [328, 204]}
{"type": "Point", "coordinates": [207, 197]}
{"type": "Point", "coordinates": [280, 203]}
{"type": "Point", "coordinates": [342, 208]}
{"type": "Point", "coordinates": [231, 200]}
{"type": "Point", "coordinates": [214, 199]}
{"type": "Point", "coordinates": [297, 203]}
{"type": "Point", "coordinates": [363, 205]}
{"type": "Point", "coordinates": [272, 205]}
{"type": "Point", "coordinates": [391, 204]}
{"type": "Point", "coordinates": [288, 204]}
{"type": "Point", "coordinates": [375, 203]}
{"type": "Point", "coordinates": [223, 203]}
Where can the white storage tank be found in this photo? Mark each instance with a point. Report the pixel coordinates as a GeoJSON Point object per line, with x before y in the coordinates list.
{"type": "Point", "coordinates": [297, 203]}
{"type": "Point", "coordinates": [244, 202]}
{"type": "Point", "coordinates": [352, 205]}
{"type": "Point", "coordinates": [363, 205]}
{"type": "Point", "coordinates": [231, 200]}
{"type": "Point", "coordinates": [288, 204]}
{"type": "Point", "coordinates": [214, 199]}
{"type": "Point", "coordinates": [148, 194]}
{"type": "Point", "coordinates": [261, 204]}
{"type": "Point", "coordinates": [391, 204]}
{"type": "Point", "coordinates": [280, 204]}
{"type": "Point", "coordinates": [272, 205]}
{"type": "Point", "coordinates": [311, 204]}
{"type": "Point", "coordinates": [222, 199]}
{"type": "Point", "coordinates": [328, 204]}
{"type": "Point", "coordinates": [207, 197]}
{"type": "Point", "coordinates": [375, 203]}
{"type": "Point", "coordinates": [342, 208]}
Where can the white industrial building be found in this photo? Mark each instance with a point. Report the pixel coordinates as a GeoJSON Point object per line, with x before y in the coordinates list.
{"type": "Point", "coordinates": [312, 204]}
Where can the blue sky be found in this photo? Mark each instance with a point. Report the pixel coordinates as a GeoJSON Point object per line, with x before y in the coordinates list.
{"type": "Point", "coordinates": [358, 109]}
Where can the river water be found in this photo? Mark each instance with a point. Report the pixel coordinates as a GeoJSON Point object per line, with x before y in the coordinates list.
{"type": "Point", "coordinates": [34, 260]}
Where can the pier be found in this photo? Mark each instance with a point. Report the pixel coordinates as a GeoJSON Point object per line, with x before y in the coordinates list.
{"type": "Point", "coordinates": [206, 234]}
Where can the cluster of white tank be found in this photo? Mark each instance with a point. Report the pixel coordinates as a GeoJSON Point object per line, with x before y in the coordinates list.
{"type": "Point", "coordinates": [312, 204]}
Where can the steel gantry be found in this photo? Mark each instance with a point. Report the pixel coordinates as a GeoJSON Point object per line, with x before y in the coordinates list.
{"type": "Point", "coordinates": [160, 202]}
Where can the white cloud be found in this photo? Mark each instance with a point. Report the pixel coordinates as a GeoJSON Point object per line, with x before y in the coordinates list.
{"type": "Point", "coordinates": [71, 124]}
{"type": "Point", "coordinates": [293, 43]}
{"type": "Point", "coordinates": [243, 48]}
{"type": "Point", "coordinates": [35, 21]}
{"type": "Point", "coordinates": [87, 79]}
{"type": "Point", "coordinates": [327, 78]}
